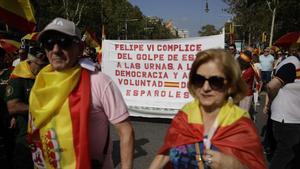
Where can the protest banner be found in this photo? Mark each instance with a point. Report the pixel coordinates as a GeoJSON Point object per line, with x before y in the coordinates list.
{"type": "Point", "coordinates": [152, 74]}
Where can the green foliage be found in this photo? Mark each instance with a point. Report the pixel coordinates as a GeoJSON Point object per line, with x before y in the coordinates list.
{"type": "Point", "coordinates": [115, 15]}
{"type": "Point", "coordinates": [208, 30]}
{"type": "Point", "coordinates": [255, 17]}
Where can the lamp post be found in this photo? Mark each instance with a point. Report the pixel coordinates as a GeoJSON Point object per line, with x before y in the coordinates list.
{"type": "Point", "coordinates": [275, 3]}
{"type": "Point", "coordinates": [206, 7]}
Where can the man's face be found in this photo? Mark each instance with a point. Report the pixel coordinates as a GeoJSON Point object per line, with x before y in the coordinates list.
{"type": "Point", "coordinates": [36, 65]}
{"type": "Point", "coordinates": [63, 51]}
{"type": "Point", "coordinates": [22, 54]}
{"type": "Point", "coordinates": [266, 52]}
{"type": "Point", "coordinates": [231, 49]}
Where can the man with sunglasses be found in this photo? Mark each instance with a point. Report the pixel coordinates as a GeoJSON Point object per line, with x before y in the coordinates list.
{"type": "Point", "coordinates": [71, 108]}
{"type": "Point", "coordinates": [17, 97]}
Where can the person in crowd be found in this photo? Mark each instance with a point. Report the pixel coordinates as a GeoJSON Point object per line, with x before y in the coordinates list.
{"type": "Point", "coordinates": [267, 62]}
{"type": "Point", "coordinates": [17, 97]}
{"type": "Point", "coordinates": [279, 58]}
{"type": "Point", "coordinates": [250, 76]}
{"type": "Point", "coordinates": [5, 139]}
{"type": "Point", "coordinates": [22, 55]}
{"type": "Point", "coordinates": [89, 59]}
{"type": "Point", "coordinates": [211, 131]}
{"type": "Point", "coordinates": [232, 51]}
{"type": "Point", "coordinates": [258, 81]}
{"type": "Point", "coordinates": [283, 100]}
{"type": "Point", "coordinates": [71, 108]}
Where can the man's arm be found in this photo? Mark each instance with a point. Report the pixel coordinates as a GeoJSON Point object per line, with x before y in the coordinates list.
{"type": "Point", "coordinates": [273, 87]}
{"type": "Point", "coordinates": [16, 106]}
{"type": "Point", "coordinates": [285, 74]}
{"type": "Point", "coordinates": [126, 135]}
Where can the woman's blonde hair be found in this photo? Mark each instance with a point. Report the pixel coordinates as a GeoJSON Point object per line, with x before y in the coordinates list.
{"type": "Point", "coordinates": [230, 67]}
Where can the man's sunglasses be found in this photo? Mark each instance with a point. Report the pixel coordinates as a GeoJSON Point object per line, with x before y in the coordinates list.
{"type": "Point", "coordinates": [215, 82]}
{"type": "Point", "coordinates": [62, 41]}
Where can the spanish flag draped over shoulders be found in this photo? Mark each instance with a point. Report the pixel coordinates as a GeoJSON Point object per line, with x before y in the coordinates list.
{"type": "Point", "coordinates": [58, 124]}
{"type": "Point", "coordinates": [236, 135]}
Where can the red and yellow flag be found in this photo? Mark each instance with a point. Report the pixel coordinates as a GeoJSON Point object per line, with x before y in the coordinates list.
{"type": "Point", "coordinates": [58, 125]}
{"type": "Point", "coordinates": [22, 70]}
{"type": "Point", "coordinates": [90, 39]}
{"type": "Point", "coordinates": [235, 136]}
{"type": "Point", "coordinates": [9, 45]}
{"type": "Point", "coordinates": [31, 36]}
{"type": "Point", "coordinates": [18, 14]}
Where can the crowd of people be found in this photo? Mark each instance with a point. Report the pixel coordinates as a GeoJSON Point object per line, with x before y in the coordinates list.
{"type": "Point", "coordinates": [57, 105]}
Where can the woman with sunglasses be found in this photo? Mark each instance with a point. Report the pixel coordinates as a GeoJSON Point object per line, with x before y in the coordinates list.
{"type": "Point", "coordinates": [211, 131]}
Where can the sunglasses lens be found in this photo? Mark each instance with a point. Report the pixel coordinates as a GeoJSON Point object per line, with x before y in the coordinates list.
{"type": "Point", "coordinates": [216, 82]}
{"type": "Point", "coordinates": [63, 42]}
{"type": "Point", "coordinates": [198, 80]}
{"type": "Point", "coordinates": [48, 44]}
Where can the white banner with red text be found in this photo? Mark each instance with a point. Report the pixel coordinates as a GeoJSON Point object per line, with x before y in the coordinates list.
{"type": "Point", "coordinates": [152, 74]}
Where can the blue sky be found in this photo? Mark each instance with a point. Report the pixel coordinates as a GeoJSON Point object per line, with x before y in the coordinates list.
{"type": "Point", "coordinates": [185, 14]}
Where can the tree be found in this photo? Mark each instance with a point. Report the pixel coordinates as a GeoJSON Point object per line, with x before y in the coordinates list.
{"type": "Point", "coordinates": [256, 18]}
{"type": "Point", "coordinates": [115, 15]}
{"type": "Point", "coordinates": [208, 30]}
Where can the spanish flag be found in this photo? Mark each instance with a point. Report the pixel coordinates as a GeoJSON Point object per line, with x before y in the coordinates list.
{"type": "Point", "coordinates": [58, 123]}
{"type": "Point", "coordinates": [9, 45]}
{"type": "Point", "coordinates": [90, 39]}
{"type": "Point", "coordinates": [18, 14]}
{"type": "Point", "coordinates": [236, 135]}
{"type": "Point", "coordinates": [22, 70]}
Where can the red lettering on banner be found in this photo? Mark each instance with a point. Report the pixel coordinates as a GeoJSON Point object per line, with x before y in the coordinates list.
{"type": "Point", "coordinates": [173, 57]}
{"type": "Point", "coordinates": [132, 65]}
{"type": "Point", "coordinates": [150, 47]}
{"type": "Point", "coordinates": [186, 95]}
{"type": "Point", "coordinates": [140, 82]}
{"type": "Point", "coordinates": [158, 93]}
{"type": "Point", "coordinates": [158, 66]}
{"type": "Point", "coordinates": [128, 92]}
{"type": "Point", "coordinates": [185, 76]}
{"type": "Point", "coordinates": [141, 74]}
{"type": "Point", "coordinates": [119, 65]}
{"type": "Point", "coordinates": [179, 47]}
{"type": "Point", "coordinates": [129, 47]}
{"type": "Point", "coordinates": [188, 57]}
{"type": "Point", "coordinates": [135, 93]}
{"type": "Point", "coordinates": [179, 67]}
{"type": "Point", "coordinates": [188, 66]}
{"type": "Point", "coordinates": [183, 84]}
{"type": "Point", "coordinates": [125, 56]}
{"type": "Point", "coordinates": [149, 57]}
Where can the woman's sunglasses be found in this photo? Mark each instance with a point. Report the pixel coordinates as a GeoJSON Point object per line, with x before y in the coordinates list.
{"type": "Point", "coordinates": [215, 82]}
{"type": "Point", "coordinates": [64, 42]}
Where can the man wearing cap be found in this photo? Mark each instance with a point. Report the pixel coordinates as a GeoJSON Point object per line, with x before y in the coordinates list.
{"type": "Point", "coordinates": [71, 108]}
{"type": "Point", "coordinates": [17, 97]}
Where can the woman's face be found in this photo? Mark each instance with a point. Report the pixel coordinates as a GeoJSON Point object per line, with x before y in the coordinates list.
{"type": "Point", "coordinates": [211, 94]}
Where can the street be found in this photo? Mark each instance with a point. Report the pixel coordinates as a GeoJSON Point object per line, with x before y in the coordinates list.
{"type": "Point", "coordinates": [149, 135]}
